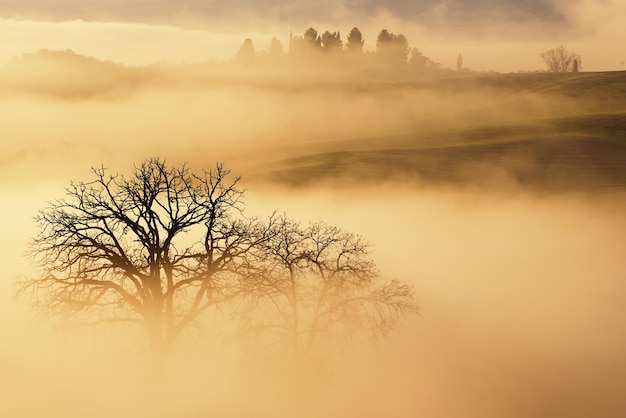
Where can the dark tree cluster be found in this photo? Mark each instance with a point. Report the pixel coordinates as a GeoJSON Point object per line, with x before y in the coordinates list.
{"type": "Point", "coordinates": [394, 48]}
{"type": "Point", "coordinates": [392, 51]}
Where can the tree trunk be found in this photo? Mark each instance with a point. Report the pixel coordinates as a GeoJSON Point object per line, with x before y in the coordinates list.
{"type": "Point", "coordinates": [159, 354]}
{"type": "Point", "coordinates": [159, 347]}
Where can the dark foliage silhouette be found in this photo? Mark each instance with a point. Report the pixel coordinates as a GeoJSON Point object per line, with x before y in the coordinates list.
{"type": "Point", "coordinates": [332, 41]}
{"type": "Point", "coordinates": [391, 47]}
{"type": "Point", "coordinates": [355, 41]}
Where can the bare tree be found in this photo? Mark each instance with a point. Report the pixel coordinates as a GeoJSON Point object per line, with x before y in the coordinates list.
{"type": "Point", "coordinates": [560, 60]}
{"type": "Point", "coordinates": [157, 248]}
{"type": "Point", "coordinates": [317, 288]}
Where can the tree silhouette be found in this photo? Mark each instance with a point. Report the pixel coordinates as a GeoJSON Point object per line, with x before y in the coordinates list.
{"type": "Point", "coordinates": [560, 60]}
{"type": "Point", "coordinates": [245, 54]}
{"type": "Point", "coordinates": [312, 39]}
{"type": "Point", "coordinates": [355, 41]}
{"type": "Point", "coordinates": [421, 62]}
{"type": "Point", "coordinates": [332, 41]}
{"type": "Point", "coordinates": [393, 48]}
{"type": "Point", "coordinates": [275, 48]}
{"type": "Point", "coordinates": [161, 246]}
{"type": "Point", "coordinates": [317, 288]}
{"type": "Point", "coordinates": [157, 248]}
{"type": "Point", "coordinates": [306, 47]}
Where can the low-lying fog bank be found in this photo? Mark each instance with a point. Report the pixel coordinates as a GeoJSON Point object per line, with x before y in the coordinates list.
{"type": "Point", "coordinates": [521, 293]}
{"type": "Point", "coordinates": [521, 300]}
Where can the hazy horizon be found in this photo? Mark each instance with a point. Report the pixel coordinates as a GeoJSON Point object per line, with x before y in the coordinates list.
{"type": "Point", "coordinates": [492, 36]}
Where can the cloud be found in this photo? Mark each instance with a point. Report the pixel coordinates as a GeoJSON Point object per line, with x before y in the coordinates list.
{"type": "Point", "coordinates": [128, 43]}
{"type": "Point", "coordinates": [431, 13]}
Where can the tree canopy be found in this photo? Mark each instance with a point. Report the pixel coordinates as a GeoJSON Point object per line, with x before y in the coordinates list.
{"type": "Point", "coordinates": [332, 41]}
{"type": "Point", "coordinates": [355, 40]}
{"type": "Point", "coordinates": [392, 47]}
{"type": "Point", "coordinates": [245, 55]}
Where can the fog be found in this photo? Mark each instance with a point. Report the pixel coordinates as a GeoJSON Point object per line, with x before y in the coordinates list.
{"type": "Point", "coordinates": [521, 306]}
{"type": "Point", "coordinates": [55, 104]}
{"type": "Point", "coordinates": [520, 291]}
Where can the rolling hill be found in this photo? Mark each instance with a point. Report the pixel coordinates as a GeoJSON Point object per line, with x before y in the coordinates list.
{"type": "Point", "coordinates": [580, 152]}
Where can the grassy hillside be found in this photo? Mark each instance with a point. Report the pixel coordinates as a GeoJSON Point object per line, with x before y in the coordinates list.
{"type": "Point", "coordinates": [581, 151]}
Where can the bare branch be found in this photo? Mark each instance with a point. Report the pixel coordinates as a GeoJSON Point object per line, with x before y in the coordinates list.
{"type": "Point", "coordinates": [318, 288]}
{"type": "Point", "coordinates": [159, 246]}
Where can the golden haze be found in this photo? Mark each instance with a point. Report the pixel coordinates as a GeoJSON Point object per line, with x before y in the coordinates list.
{"type": "Point", "coordinates": [520, 291]}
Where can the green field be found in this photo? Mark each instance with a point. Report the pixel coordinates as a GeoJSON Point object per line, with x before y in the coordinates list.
{"type": "Point", "coordinates": [579, 147]}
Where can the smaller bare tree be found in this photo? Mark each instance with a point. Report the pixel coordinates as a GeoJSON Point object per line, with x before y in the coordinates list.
{"type": "Point", "coordinates": [317, 289]}
{"type": "Point", "coordinates": [560, 60]}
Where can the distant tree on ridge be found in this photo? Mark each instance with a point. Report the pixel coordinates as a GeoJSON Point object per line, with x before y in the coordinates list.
{"type": "Point", "coordinates": [332, 41]}
{"type": "Point", "coordinates": [392, 47]}
{"type": "Point", "coordinates": [355, 41]}
{"type": "Point", "coordinates": [560, 60]}
{"type": "Point", "coordinates": [245, 55]}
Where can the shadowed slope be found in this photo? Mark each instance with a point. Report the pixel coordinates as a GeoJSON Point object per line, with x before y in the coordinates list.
{"type": "Point", "coordinates": [586, 153]}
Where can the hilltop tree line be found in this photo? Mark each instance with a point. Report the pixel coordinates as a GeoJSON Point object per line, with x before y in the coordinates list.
{"type": "Point", "coordinates": [392, 51]}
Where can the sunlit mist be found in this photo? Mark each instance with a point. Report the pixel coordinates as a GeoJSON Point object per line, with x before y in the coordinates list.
{"type": "Point", "coordinates": [280, 210]}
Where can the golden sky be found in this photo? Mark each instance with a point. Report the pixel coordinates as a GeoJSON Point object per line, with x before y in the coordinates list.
{"type": "Point", "coordinates": [498, 35]}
